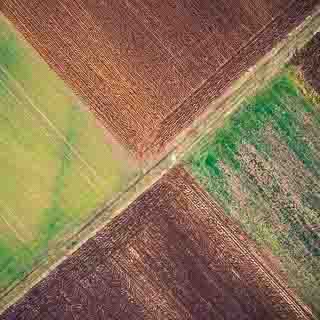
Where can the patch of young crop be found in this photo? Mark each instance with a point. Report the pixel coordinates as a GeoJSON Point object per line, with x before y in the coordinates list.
{"type": "Point", "coordinates": [263, 166]}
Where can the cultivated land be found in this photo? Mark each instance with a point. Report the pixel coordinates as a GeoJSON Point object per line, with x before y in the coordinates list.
{"type": "Point", "coordinates": [148, 68]}
{"type": "Point", "coordinates": [275, 34]}
{"type": "Point", "coordinates": [263, 167]}
{"type": "Point", "coordinates": [308, 62]}
{"type": "Point", "coordinates": [172, 254]}
{"type": "Point", "coordinates": [56, 166]}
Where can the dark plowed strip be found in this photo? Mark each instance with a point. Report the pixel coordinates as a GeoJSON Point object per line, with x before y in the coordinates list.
{"type": "Point", "coordinates": [148, 68]}
{"type": "Point", "coordinates": [309, 60]}
{"type": "Point", "coordinates": [172, 254]}
{"type": "Point", "coordinates": [223, 77]}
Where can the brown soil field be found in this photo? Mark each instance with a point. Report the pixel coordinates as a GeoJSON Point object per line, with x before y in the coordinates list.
{"type": "Point", "coordinates": [172, 254]}
{"type": "Point", "coordinates": [148, 68]}
{"type": "Point", "coordinates": [309, 61]}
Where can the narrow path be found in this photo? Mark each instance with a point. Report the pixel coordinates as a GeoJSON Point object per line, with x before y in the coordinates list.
{"type": "Point", "coordinates": [246, 86]}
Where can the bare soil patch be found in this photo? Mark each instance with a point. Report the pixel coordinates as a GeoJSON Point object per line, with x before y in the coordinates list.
{"type": "Point", "coordinates": [309, 61]}
{"type": "Point", "coordinates": [172, 254]}
{"type": "Point", "coordinates": [146, 68]}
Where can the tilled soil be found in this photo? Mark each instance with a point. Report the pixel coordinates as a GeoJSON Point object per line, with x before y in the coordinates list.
{"type": "Point", "coordinates": [309, 60]}
{"type": "Point", "coordinates": [172, 254]}
{"type": "Point", "coordinates": [148, 68]}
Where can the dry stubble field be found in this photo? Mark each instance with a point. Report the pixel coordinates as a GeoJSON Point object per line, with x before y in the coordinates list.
{"type": "Point", "coordinates": [148, 68]}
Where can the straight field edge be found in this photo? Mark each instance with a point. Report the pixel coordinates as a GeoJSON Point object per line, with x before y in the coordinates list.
{"type": "Point", "coordinates": [241, 239]}
{"type": "Point", "coordinates": [257, 77]}
{"type": "Point", "coordinates": [265, 69]}
{"type": "Point", "coordinates": [117, 234]}
{"type": "Point", "coordinates": [276, 53]}
{"type": "Point", "coordinates": [69, 240]}
{"type": "Point", "coordinates": [99, 220]}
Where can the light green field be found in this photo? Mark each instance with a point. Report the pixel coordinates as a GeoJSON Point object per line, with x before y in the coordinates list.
{"type": "Point", "coordinates": [263, 167]}
{"type": "Point", "coordinates": [56, 166]}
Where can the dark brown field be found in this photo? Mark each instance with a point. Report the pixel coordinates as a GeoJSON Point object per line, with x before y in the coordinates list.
{"type": "Point", "coordinates": [148, 68]}
{"type": "Point", "coordinates": [171, 255]}
{"type": "Point", "coordinates": [309, 61]}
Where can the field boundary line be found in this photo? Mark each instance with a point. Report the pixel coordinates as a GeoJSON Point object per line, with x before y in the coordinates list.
{"type": "Point", "coordinates": [249, 245]}
{"type": "Point", "coordinates": [159, 167]}
{"type": "Point", "coordinates": [218, 100]}
{"type": "Point", "coordinates": [269, 65]}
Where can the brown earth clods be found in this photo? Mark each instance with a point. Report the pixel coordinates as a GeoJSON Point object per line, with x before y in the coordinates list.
{"type": "Point", "coordinates": [309, 61]}
{"type": "Point", "coordinates": [148, 68]}
{"type": "Point", "coordinates": [172, 254]}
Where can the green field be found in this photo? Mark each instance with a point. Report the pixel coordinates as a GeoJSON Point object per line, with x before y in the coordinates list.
{"type": "Point", "coordinates": [263, 167]}
{"type": "Point", "coordinates": [56, 166]}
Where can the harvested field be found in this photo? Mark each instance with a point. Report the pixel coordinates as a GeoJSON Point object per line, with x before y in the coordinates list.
{"type": "Point", "coordinates": [309, 62]}
{"type": "Point", "coordinates": [171, 255]}
{"type": "Point", "coordinates": [263, 167]}
{"type": "Point", "coordinates": [148, 68]}
{"type": "Point", "coordinates": [56, 166]}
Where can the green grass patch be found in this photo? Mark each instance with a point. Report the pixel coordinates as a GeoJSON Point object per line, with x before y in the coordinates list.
{"type": "Point", "coordinates": [56, 166]}
{"type": "Point", "coordinates": [263, 167]}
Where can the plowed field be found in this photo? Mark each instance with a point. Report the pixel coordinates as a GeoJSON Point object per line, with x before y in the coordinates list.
{"type": "Point", "coordinates": [147, 68]}
{"type": "Point", "coordinates": [309, 62]}
{"type": "Point", "coordinates": [171, 255]}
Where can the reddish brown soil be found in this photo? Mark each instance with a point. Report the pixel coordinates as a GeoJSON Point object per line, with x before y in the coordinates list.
{"type": "Point", "coordinates": [171, 255]}
{"type": "Point", "coordinates": [148, 68]}
{"type": "Point", "coordinates": [309, 60]}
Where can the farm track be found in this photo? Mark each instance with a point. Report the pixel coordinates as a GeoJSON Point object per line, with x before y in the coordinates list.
{"type": "Point", "coordinates": [55, 161]}
{"type": "Point", "coordinates": [221, 82]}
{"type": "Point", "coordinates": [151, 78]}
{"type": "Point", "coordinates": [160, 259]}
{"type": "Point", "coordinates": [262, 72]}
{"type": "Point", "coordinates": [257, 76]}
{"type": "Point", "coordinates": [255, 195]}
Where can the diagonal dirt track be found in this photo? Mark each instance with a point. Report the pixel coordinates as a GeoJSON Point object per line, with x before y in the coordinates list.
{"type": "Point", "coordinates": [148, 69]}
{"type": "Point", "coordinates": [262, 72]}
{"type": "Point", "coordinates": [173, 254]}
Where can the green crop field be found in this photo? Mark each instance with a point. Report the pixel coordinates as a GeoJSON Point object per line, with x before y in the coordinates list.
{"type": "Point", "coordinates": [263, 167]}
{"type": "Point", "coordinates": [56, 166]}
